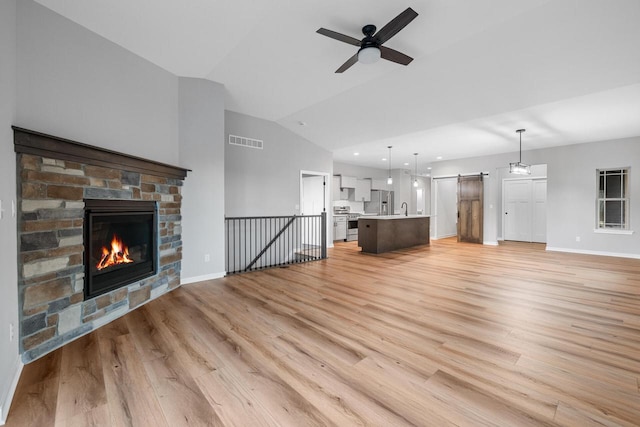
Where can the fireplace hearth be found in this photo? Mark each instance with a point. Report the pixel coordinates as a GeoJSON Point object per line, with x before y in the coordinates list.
{"type": "Point", "coordinates": [120, 244]}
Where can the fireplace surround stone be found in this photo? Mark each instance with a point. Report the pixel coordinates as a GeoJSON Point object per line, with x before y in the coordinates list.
{"type": "Point", "coordinates": [55, 176]}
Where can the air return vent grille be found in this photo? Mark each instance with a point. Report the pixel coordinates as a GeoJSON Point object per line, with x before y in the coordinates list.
{"type": "Point", "coordinates": [245, 142]}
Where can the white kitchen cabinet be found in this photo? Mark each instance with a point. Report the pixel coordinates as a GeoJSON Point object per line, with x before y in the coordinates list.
{"type": "Point", "coordinates": [379, 184]}
{"type": "Point", "coordinates": [348, 181]}
{"type": "Point", "coordinates": [340, 227]}
{"type": "Point", "coordinates": [363, 190]}
{"type": "Point", "coordinates": [338, 193]}
{"type": "Point", "coordinates": [335, 188]}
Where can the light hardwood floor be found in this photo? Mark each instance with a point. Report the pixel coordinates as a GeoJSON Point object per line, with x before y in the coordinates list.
{"type": "Point", "coordinates": [451, 334]}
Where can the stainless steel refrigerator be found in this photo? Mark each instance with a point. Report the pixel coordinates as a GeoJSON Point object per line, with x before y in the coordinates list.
{"type": "Point", "coordinates": [381, 203]}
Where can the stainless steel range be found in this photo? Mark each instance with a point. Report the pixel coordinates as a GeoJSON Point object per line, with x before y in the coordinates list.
{"type": "Point", "coordinates": [352, 226]}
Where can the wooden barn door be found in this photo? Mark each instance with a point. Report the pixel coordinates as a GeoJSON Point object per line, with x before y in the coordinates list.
{"type": "Point", "coordinates": [470, 205]}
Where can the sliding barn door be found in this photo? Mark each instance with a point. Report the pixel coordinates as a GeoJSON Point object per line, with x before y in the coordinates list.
{"type": "Point", "coordinates": [470, 203]}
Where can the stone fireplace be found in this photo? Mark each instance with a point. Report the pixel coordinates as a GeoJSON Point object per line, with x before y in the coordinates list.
{"type": "Point", "coordinates": [75, 202]}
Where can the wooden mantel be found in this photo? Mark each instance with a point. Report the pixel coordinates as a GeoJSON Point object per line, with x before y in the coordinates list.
{"type": "Point", "coordinates": [40, 144]}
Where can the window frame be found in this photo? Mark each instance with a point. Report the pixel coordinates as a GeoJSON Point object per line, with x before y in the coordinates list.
{"type": "Point", "coordinates": [601, 225]}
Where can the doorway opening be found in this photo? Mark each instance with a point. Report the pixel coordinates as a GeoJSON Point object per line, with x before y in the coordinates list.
{"type": "Point", "coordinates": [445, 196]}
{"type": "Point", "coordinates": [314, 200]}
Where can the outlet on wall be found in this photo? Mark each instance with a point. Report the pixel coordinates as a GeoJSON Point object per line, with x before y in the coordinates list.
{"type": "Point", "coordinates": [207, 257]}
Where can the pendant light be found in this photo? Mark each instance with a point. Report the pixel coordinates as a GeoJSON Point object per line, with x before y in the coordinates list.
{"type": "Point", "coordinates": [389, 180]}
{"type": "Point", "coordinates": [520, 168]}
{"type": "Point", "coordinates": [415, 182]}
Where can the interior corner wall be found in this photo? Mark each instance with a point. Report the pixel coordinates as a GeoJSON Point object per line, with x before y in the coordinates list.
{"type": "Point", "coordinates": [201, 130]}
{"type": "Point", "coordinates": [267, 181]}
{"type": "Point", "coordinates": [74, 84]}
{"type": "Point", "coordinates": [9, 356]}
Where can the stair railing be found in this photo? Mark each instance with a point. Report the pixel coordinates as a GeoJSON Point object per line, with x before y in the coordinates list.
{"type": "Point", "coordinates": [258, 242]}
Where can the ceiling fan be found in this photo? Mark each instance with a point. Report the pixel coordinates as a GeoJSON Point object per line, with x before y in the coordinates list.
{"type": "Point", "coordinates": [371, 48]}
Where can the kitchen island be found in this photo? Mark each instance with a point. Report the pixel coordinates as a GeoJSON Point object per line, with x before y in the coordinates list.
{"type": "Point", "coordinates": [378, 234]}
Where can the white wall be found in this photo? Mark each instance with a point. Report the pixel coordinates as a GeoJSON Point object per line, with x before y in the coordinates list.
{"type": "Point", "coordinates": [571, 192]}
{"type": "Point", "coordinates": [75, 84]}
{"type": "Point", "coordinates": [571, 196]}
{"type": "Point", "coordinates": [202, 151]}
{"type": "Point", "coordinates": [267, 181]}
{"type": "Point", "coordinates": [9, 357]}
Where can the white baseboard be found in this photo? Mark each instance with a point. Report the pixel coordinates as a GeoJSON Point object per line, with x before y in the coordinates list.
{"type": "Point", "coordinates": [443, 237]}
{"type": "Point", "coordinates": [588, 252]}
{"type": "Point", "coordinates": [203, 278]}
{"type": "Point", "coordinates": [6, 404]}
{"type": "Point", "coordinates": [490, 243]}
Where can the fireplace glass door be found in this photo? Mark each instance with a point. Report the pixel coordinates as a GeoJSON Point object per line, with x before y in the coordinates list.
{"type": "Point", "coordinates": [120, 244]}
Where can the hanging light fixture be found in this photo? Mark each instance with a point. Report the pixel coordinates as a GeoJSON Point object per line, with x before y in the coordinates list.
{"type": "Point", "coordinates": [389, 180]}
{"type": "Point", "coordinates": [520, 168]}
{"type": "Point", "coordinates": [415, 181]}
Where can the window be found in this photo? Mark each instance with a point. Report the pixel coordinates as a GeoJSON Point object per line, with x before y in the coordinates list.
{"type": "Point", "coordinates": [613, 199]}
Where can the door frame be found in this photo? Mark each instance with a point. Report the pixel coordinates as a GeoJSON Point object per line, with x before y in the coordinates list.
{"type": "Point", "coordinates": [536, 178]}
{"type": "Point", "coordinates": [327, 195]}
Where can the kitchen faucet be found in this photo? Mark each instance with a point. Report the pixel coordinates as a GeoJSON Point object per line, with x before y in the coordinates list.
{"type": "Point", "coordinates": [406, 208]}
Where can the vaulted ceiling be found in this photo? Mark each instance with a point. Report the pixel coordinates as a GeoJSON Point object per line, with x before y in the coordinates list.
{"type": "Point", "coordinates": [566, 70]}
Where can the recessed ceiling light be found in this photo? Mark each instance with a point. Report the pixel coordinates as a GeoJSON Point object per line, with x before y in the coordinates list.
{"type": "Point", "coordinates": [384, 159]}
{"type": "Point", "coordinates": [428, 174]}
{"type": "Point", "coordinates": [406, 163]}
{"type": "Point", "coordinates": [356, 154]}
{"type": "Point", "coordinates": [429, 168]}
{"type": "Point", "coordinates": [439, 158]}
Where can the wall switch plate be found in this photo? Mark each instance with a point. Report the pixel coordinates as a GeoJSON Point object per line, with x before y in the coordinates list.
{"type": "Point", "coordinates": [1, 210]}
{"type": "Point", "coordinates": [13, 209]}
{"type": "Point", "coordinates": [10, 332]}
{"type": "Point", "coordinates": [207, 257]}
{"type": "Point", "coordinates": [577, 238]}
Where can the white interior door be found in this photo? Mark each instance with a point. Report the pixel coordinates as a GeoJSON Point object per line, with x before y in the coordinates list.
{"type": "Point", "coordinates": [539, 211]}
{"type": "Point", "coordinates": [525, 210]}
{"type": "Point", "coordinates": [446, 201]}
{"type": "Point", "coordinates": [517, 213]}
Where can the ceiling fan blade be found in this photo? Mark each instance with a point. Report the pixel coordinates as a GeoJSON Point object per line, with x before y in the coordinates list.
{"type": "Point", "coordinates": [395, 56]}
{"type": "Point", "coordinates": [337, 36]}
{"type": "Point", "coordinates": [395, 25]}
{"type": "Point", "coordinates": [348, 64]}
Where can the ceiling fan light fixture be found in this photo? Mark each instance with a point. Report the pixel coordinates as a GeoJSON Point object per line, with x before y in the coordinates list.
{"type": "Point", "coordinates": [369, 55]}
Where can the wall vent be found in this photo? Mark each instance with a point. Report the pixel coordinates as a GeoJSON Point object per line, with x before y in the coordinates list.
{"type": "Point", "coordinates": [245, 142]}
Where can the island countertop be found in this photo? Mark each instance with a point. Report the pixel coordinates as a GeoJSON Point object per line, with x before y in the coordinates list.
{"type": "Point", "coordinates": [378, 234]}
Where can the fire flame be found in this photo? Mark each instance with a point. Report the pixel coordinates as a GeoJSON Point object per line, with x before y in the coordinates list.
{"type": "Point", "coordinates": [119, 254]}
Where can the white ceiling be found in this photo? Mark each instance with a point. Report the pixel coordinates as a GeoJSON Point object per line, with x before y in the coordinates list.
{"type": "Point", "coordinates": [566, 70]}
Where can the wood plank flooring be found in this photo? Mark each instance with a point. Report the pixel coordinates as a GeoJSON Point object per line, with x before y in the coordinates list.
{"type": "Point", "coordinates": [450, 334]}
